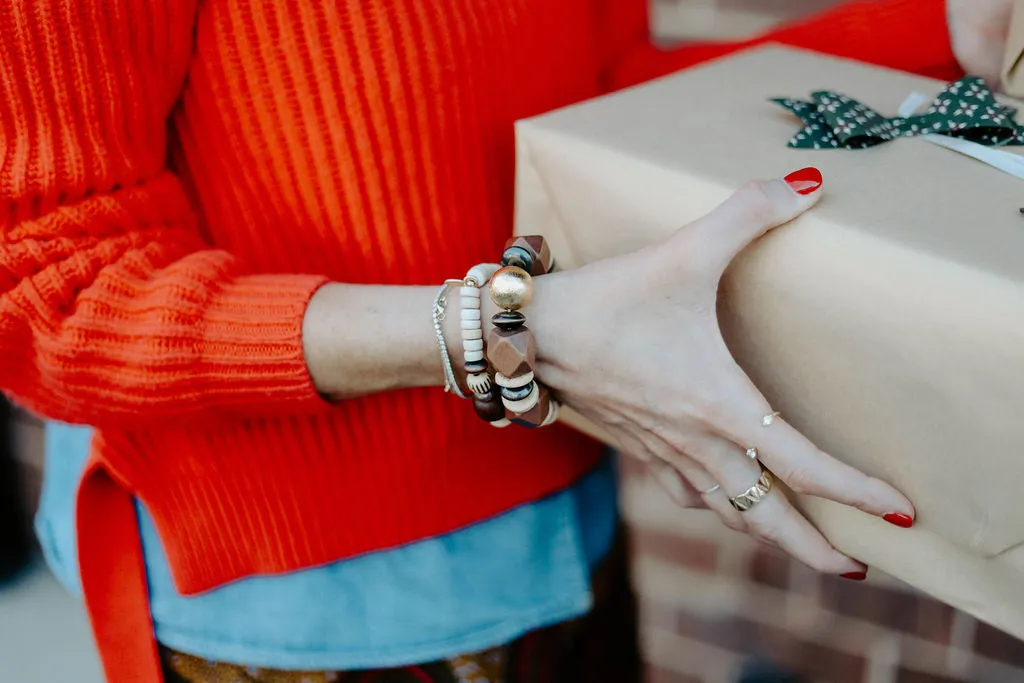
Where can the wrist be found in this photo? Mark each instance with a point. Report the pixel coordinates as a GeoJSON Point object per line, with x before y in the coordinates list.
{"type": "Point", "coordinates": [549, 317]}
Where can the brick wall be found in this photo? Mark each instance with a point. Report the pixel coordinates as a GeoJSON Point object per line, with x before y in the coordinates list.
{"type": "Point", "coordinates": [712, 600]}
{"type": "Point", "coordinates": [722, 19]}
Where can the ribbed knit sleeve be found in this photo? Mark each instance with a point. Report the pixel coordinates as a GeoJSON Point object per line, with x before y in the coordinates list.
{"type": "Point", "coordinates": [909, 35]}
{"type": "Point", "coordinates": [112, 308]}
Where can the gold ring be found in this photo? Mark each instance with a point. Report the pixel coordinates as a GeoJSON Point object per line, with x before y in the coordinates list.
{"type": "Point", "coordinates": [711, 490]}
{"type": "Point", "coordinates": [768, 419]}
{"type": "Point", "coordinates": [756, 493]}
{"type": "Point", "coordinates": [752, 453]}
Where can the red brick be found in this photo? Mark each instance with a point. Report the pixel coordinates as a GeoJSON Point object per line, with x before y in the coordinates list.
{"type": "Point", "coordinates": [770, 567]}
{"type": "Point", "coordinates": [730, 633]}
{"type": "Point", "coordinates": [684, 551]}
{"type": "Point", "coordinates": [658, 614]}
{"type": "Point", "coordinates": [816, 660]}
{"type": "Point", "coordinates": [910, 676]}
{"type": "Point", "coordinates": [934, 620]}
{"type": "Point", "coordinates": [899, 610]}
{"type": "Point", "coordinates": [995, 644]}
{"type": "Point", "coordinates": [654, 674]}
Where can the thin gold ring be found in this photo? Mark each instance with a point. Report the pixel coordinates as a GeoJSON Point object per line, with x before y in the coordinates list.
{"type": "Point", "coordinates": [711, 490]}
{"type": "Point", "coordinates": [768, 419]}
{"type": "Point", "coordinates": [752, 453]}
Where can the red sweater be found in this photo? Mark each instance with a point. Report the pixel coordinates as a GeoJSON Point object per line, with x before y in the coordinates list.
{"type": "Point", "coordinates": [176, 183]}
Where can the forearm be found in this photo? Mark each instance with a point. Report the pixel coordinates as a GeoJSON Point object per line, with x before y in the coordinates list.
{"type": "Point", "coordinates": [364, 339]}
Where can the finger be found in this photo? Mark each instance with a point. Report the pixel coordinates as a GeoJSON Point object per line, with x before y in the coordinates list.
{"type": "Point", "coordinates": [633, 446]}
{"type": "Point", "coordinates": [808, 470]}
{"type": "Point", "coordinates": [750, 213]}
{"type": "Point", "coordinates": [717, 500]}
{"type": "Point", "coordinates": [774, 519]}
{"type": "Point", "coordinates": [678, 489]}
{"type": "Point", "coordinates": [711, 491]}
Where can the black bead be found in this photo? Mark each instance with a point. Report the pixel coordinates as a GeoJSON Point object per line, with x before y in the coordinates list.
{"type": "Point", "coordinates": [475, 366]}
{"type": "Point", "coordinates": [517, 394]}
{"type": "Point", "coordinates": [508, 320]}
{"type": "Point", "coordinates": [517, 256]}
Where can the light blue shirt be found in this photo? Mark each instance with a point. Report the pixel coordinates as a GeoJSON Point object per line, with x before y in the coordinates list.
{"type": "Point", "coordinates": [475, 588]}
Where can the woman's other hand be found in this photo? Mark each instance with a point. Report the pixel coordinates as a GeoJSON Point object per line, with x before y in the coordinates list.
{"type": "Point", "coordinates": [633, 343]}
{"type": "Point", "coordinates": [978, 30]}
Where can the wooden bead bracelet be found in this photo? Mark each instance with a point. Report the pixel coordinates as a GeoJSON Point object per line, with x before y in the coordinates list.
{"type": "Point", "coordinates": [513, 395]}
{"type": "Point", "coordinates": [511, 348]}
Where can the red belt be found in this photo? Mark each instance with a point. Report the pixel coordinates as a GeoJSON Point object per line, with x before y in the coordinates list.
{"type": "Point", "coordinates": [113, 573]}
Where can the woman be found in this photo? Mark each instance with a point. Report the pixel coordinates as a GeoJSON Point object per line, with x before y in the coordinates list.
{"type": "Point", "coordinates": [187, 188]}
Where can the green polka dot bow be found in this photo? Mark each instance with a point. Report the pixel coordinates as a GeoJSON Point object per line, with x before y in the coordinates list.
{"type": "Point", "coordinates": [966, 109]}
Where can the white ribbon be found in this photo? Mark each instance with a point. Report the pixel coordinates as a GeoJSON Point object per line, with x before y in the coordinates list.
{"type": "Point", "coordinates": [1008, 162]}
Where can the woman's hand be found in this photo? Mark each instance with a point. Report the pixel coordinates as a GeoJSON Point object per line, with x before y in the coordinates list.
{"type": "Point", "coordinates": [978, 30]}
{"type": "Point", "coordinates": [633, 343]}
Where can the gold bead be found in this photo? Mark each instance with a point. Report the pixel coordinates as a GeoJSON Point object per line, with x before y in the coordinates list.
{"type": "Point", "coordinates": [511, 288]}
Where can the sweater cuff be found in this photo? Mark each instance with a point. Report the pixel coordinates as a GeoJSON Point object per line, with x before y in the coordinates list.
{"type": "Point", "coordinates": [252, 345]}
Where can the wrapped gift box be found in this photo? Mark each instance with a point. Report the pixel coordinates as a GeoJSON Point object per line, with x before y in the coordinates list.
{"type": "Point", "coordinates": [887, 324]}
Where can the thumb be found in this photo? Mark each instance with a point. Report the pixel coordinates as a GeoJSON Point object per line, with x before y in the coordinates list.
{"type": "Point", "coordinates": [748, 214]}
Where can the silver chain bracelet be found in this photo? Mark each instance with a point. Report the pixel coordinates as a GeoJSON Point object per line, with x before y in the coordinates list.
{"type": "Point", "coordinates": [440, 311]}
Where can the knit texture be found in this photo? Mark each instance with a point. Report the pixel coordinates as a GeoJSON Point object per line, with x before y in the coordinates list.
{"type": "Point", "coordinates": [176, 181]}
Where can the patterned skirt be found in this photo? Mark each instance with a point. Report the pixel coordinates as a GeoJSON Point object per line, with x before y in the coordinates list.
{"type": "Point", "coordinates": [600, 646]}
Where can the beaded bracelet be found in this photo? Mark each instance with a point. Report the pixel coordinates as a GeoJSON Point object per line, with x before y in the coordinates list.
{"type": "Point", "coordinates": [513, 395]}
{"type": "Point", "coordinates": [511, 348]}
{"type": "Point", "coordinates": [486, 401]}
{"type": "Point", "coordinates": [471, 327]}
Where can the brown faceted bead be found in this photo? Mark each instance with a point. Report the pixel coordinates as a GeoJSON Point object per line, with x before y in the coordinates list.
{"type": "Point", "coordinates": [490, 409]}
{"type": "Point", "coordinates": [512, 352]}
{"type": "Point", "coordinates": [537, 247]}
{"type": "Point", "coordinates": [535, 416]}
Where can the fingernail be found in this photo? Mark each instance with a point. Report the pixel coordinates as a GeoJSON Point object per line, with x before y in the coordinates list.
{"type": "Point", "coordinates": [805, 181]}
{"type": "Point", "coordinates": [855, 576]}
{"type": "Point", "coordinates": [899, 519]}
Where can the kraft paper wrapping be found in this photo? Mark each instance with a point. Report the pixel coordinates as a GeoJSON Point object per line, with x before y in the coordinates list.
{"type": "Point", "coordinates": [887, 324]}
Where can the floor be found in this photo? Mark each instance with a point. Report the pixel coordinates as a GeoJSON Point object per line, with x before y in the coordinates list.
{"type": "Point", "coordinates": [44, 636]}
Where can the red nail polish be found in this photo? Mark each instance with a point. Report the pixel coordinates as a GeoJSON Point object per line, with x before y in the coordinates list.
{"type": "Point", "coordinates": [855, 576]}
{"type": "Point", "coordinates": [805, 181]}
{"type": "Point", "coordinates": [899, 519]}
